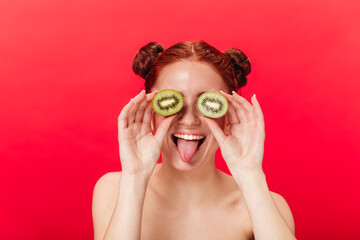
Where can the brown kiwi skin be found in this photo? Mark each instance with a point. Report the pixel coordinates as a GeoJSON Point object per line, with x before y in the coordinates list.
{"type": "Point", "coordinates": [168, 110]}
{"type": "Point", "coordinates": [207, 112]}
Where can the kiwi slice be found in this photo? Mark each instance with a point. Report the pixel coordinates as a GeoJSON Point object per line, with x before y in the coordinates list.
{"type": "Point", "coordinates": [212, 104]}
{"type": "Point", "coordinates": [167, 102]}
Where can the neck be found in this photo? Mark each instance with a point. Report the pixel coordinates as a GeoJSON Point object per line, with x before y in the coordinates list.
{"type": "Point", "coordinates": [190, 188]}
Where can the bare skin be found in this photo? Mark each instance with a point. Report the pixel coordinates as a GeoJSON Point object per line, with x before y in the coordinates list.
{"type": "Point", "coordinates": [190, 200]}
{"type": "Point", "coordinates": [223, 217]}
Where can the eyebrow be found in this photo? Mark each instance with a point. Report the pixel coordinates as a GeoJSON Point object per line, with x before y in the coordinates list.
{"type": "Point", "coordinates": [196, 95]}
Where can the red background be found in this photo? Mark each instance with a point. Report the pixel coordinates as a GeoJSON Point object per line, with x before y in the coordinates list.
{"type": "Point", "coordinates": [65, 74]}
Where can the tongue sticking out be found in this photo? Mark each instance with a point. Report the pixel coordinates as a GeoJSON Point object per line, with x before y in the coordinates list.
{"type": "Point", "coordinates": [187, 148]}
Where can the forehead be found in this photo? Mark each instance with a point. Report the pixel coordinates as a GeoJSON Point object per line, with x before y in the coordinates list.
{"type": "Point", "coordinates": [190, 77]}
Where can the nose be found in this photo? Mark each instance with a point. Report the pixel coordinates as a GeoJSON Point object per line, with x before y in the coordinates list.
{"type": "Point", "coordinates": [189, 115]}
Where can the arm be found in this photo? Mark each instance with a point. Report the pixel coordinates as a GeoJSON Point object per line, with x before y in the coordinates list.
{"type": "Point", "coordinates": [129, 207]}
{"type": "Point", "coordinates": [118, 201]}
{"type": "Point", "coordinates": [117, 205]}
{"type": "Point", "coordinates": [243, 150]}
{"type": "Point", "coordinates": [269, 220]}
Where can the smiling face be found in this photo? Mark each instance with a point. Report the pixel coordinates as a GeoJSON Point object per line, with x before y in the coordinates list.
{"type": "Point", "coordinates": [189, 142]}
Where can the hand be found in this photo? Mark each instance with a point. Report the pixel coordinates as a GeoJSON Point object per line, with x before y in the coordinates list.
{"type": "Point", "coordinates": [139, 148]}
{"type": "Point", "coordinates": [243, 148]}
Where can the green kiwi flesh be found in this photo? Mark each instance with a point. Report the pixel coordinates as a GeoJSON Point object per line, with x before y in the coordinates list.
{"type": "Point", "coordinates": [212, 104]}
{"type": "Point", "coordinates": [167, 102]}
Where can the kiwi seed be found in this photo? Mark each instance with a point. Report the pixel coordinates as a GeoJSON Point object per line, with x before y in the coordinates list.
{"type": "Point", "coordinates": [212, 104]}
{"type": "Point", "coordinates": [167, 102]}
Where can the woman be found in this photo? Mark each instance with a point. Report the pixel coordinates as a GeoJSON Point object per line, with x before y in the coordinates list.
{"type": "Point", "coordinates": [186, 197]}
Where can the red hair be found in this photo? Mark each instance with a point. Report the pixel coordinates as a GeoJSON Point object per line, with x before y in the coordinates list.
{"type": "Point", "coordinates": [233, 65]}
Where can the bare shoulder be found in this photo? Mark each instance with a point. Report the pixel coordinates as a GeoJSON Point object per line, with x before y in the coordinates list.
{"type": "Point", "coordinates": [284, 209]}
{"type": "Point", "coordinates": [104, 201]}
{"type": "Point", "coordinates": [108, 180]}
{"type": "Point", "coordinates": [106, 188]}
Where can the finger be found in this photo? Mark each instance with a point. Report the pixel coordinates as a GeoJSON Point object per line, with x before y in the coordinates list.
{"type": "Point", "coordinates": [146, 121]}
{"type": "Point", "coordinates": [257, 109]}
{"type": "Point", "coordinates": [142, 106]}
{"type": "Point", "coordinates": [241, 112]}
{"type": "Point", "coordinates": [132, 112]}
{"type": "Point", "coordinates": [148, 111]}
{"type": "Point", "coordinates": [147, 116]}
{"type": "Point", "coordinates": [122, 119]}
{"type": "Point", "coordinates": [140, 111]}
{"type": "Point", "coordinates": [242, 101]}
{"type": "Point", "coordinates": [225, 94]}
{"type": "Point", "coordinates": [233, 119]}
{"type": "Point", "coordinates": [163, 129]}
{"type": "Point", "coordinates": [216, 130]}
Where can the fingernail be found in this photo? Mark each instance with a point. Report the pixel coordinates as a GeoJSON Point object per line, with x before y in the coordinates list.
{"type": "Point", "coordinates": [233, 92]}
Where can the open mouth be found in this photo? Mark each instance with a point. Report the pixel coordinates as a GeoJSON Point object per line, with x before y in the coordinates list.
{"type": "Point", "coordinates": [175, 138]}
{"type": "Point", "coordinates": [187, 144]}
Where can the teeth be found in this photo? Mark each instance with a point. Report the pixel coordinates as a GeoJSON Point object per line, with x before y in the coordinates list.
{"type": "Point", "coordinates": [188, 136]}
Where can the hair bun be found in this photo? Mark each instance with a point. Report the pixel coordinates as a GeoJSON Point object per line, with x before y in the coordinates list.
{"type": "Point", "coordinates": [241, 65]}
{"type": "Point", "coordinates": [145, 58]}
